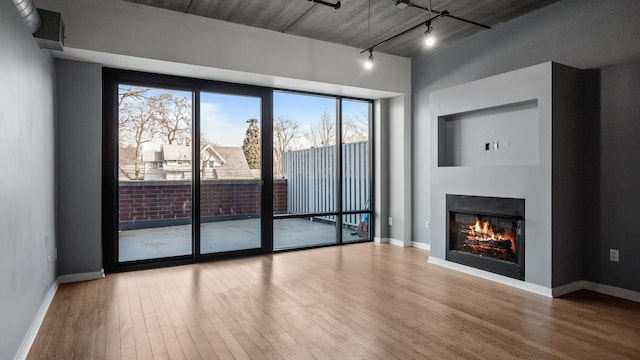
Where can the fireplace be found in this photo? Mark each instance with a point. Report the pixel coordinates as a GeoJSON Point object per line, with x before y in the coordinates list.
{"type": "Point", "coordinates": [486, 233]}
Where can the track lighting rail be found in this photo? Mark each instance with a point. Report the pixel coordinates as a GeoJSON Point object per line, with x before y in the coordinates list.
{"type": "Point", "coordinates": [410, 4]}
{"type": "Point", "coordinates": [440, 14]}
{"type": "Point", "coordinates": [443, 13]}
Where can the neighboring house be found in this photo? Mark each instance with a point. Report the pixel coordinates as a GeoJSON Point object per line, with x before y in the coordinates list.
{"type": "Point", "coordinates": [173, 162]}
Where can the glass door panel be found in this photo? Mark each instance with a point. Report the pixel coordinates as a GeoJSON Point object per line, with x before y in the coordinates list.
{"type": "Point", "coordinates": [291, 233]}
{"type": "Point", "coordinates": [154, 173]}
{"type": "Point", "coordinates": [230, 173]}
{"type": "Point", "coordinates": [304, 170]}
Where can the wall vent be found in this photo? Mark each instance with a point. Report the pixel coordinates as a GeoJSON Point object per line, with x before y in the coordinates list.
{"type": "Point", "coordinates": [50, 35]}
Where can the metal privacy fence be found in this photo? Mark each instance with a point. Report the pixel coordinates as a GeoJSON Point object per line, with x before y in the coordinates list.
{"type": "Point", "coordinates": [311, 177]}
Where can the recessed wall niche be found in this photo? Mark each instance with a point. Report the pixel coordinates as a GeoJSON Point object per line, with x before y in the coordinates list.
{"type": "Point", "coordinates": [495, 136]}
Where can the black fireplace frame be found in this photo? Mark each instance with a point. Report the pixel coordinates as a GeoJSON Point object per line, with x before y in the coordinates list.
{"type": "Point", "coordinates": [491, 206]}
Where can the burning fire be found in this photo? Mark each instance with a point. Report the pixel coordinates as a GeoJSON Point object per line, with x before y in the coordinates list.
{"type": "Point", "coordinates": [482, 231]}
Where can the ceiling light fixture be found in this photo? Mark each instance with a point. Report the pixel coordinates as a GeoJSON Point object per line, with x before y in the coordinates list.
{"type": "Point", "coordinates": [369, 63]}
{"type": "Point", "coordinates": [429, 38]}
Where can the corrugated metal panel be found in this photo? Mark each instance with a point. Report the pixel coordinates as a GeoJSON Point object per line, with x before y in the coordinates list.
{"type": "Point", "coordinates": [311, 184]}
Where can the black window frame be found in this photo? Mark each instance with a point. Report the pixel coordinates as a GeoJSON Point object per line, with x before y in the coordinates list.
{"type": "Point", "coordinates": [112, 78]}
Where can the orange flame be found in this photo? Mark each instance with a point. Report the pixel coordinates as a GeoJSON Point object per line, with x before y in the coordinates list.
{"type": "Point", "coordinates": [483, 231]}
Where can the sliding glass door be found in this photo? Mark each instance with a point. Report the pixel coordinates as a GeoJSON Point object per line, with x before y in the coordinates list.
{"type": "Point", "coordinates": [198, 170]}
{"type": "Point", "coordinates": [186, 165]}
{"type": "Point", "coordinates": [322, 170]}
{"type": "Point", "coordinates": [230, 172]}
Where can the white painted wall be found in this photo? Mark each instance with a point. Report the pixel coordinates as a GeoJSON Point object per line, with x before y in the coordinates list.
{"type": "Point", "coordinates": [399, 173]}
{"type": "Point", "coordinates": [27, 230]}
{"type": "Point", "coordinates": [124, 28]}
{"type": "Point", "coordinates": [529, 182]}
{"type": "Point", "coordinates": [124, 35]}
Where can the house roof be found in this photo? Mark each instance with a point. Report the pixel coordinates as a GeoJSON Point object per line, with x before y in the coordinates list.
{"type": "Point", "coordinates": [213, 154]}
{"type": "Point", "coordinates": [235, 165]}
{"type": "Point", "coordinates": [151, 156]}
{"type": "Point", "coordinates": [172, 152]}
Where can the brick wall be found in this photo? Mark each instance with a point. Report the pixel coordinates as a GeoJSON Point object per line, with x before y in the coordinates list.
{"type": "Point", "coordinates": [168, 201]}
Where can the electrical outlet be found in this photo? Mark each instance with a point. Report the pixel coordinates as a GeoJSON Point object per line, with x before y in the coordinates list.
{"type": "Point", "coordinates": [49, 261]}
{"type": "Point", "coordinates": [390, 221]}
{"type": "Point", "coordinates": [614, 255]}
{"type": "Point", "coordinates": [427, 224]}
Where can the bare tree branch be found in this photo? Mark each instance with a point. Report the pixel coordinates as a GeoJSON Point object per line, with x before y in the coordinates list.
{"type": "Point", "coordinates": [355, 129]}
{"type": "Point", "coordinates": [285, 134]}
{"type": "Point", "coordinates": [174, 117]}
{"type": "Point", "coordinates": [324, 132]}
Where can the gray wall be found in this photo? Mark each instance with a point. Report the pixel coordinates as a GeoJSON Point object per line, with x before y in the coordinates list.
{"type": "Point", "coordinates": [586, 34]}
{"type": "Point", "coordinates": [27, 223]}
{"type": "Point", "coordinates": [79, 166]}
{"type": "Point", "coordinates": [569, 191]}
{"type": "Point", "coordinates": [381, 169]}
{"type": "Point", "coordinates": [619, 178]}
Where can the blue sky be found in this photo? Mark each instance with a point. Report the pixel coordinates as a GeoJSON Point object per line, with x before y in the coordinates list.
{"type": "Point", "coordinates": [224, 117]}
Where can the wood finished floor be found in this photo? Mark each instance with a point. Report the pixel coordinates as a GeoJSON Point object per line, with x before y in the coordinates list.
{"type": "Point", "coordinates": [361, 301]}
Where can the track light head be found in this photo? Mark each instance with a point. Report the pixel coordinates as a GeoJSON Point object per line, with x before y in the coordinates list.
{"type": "Point", "coordinates": [429, 38]}
{"type": "Point", "coordinates": [369, 63]}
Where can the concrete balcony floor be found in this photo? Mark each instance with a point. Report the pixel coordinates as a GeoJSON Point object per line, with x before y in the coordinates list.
{"type": "Point", "coordinates": [225, 236]}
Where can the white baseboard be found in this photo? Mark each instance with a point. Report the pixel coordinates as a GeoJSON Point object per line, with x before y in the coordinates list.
{"type": "Point", "coordinates": [421, 245]}
{"type": "Point", "coordinates": [568, 288]}
{"type": "Point", "coordinates": [381, 240]}
{"type": "Point", "coordinates": [81, 276]}
{"type": "Point", "coordinates": [30, 337]}
{"type": "Point", "coordinates": [397, 242]}
{"type": "Point", "coordinates": [539, 289]}
{"type": "Point", "coordinates": [612, 291]}
{"type": "Point", "coordinates": [534, 288]}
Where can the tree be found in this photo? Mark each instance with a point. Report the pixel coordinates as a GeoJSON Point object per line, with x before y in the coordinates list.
{"type": "Point", "coordinates": [285, 134]}
{"type": "Point", "coordinates": [137, 127]}
{"type": "Point", "coordinates": [251, 144]}
{"type": "Point", "coordinates": [324, 132]}
{"type": "Point", "coordinates": [355, 129]}
{"type": "Point", "coordinates": [174, 117]}
{"type": "Point", "coordinates": [149, 115]}
{"type": "Point", "coordinates": [132, 92]}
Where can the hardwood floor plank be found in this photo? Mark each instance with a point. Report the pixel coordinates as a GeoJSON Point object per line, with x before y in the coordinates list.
{"type": "Point", "coordinates": [361, 301]}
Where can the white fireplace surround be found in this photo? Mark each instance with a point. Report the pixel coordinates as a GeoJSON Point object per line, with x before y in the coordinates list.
{"type": "Point", "coordinates": [535, 141]}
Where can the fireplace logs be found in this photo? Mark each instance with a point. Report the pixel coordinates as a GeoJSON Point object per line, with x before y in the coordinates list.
{"type": "Point", "coordinates": [481, 239]}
